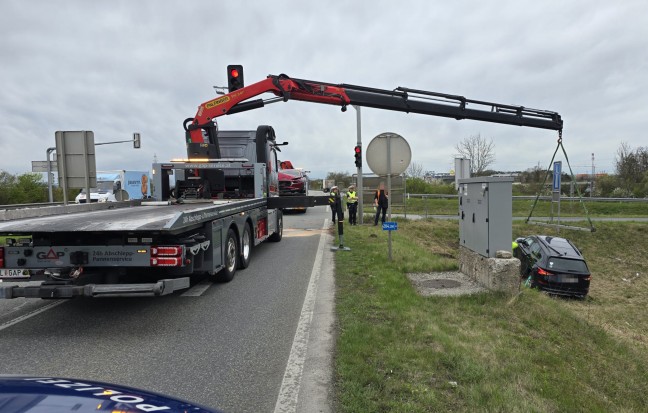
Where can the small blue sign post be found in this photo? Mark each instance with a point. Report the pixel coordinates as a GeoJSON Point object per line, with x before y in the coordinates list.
{"type": "Point", "coordinates": [390, 226]}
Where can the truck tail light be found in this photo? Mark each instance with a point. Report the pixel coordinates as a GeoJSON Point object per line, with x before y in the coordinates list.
{"type": "Point", "coordinates": [167, 256]}
{"type": "Point", "coordinates": [1, 257]}
{"type": "Point", "coordinates": [167, 251]}
{"type": "Point", "coordinates": [166, 262]}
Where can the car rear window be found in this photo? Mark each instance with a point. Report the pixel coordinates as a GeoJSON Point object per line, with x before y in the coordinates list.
{"type": "Point", "coordinates": [292, 172]}
{"type": "Point", "coordinates": [564, 264]}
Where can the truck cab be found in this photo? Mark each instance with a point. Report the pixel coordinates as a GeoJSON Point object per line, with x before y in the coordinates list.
{"type": "Point", "coordinates": [237, 165]}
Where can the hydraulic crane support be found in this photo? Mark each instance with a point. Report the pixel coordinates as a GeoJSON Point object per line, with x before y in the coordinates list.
{"type": "Point", "coordinates": [400, 99]}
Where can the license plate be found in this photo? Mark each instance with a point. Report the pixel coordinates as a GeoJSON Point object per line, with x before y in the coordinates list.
{"type": "Point", "coordinates": [14, 273]}
{"type": "Point", "coordinates": [569, 279]}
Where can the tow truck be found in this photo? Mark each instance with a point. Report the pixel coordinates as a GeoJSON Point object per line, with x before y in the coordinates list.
{"type": "Point", "coordinates": [225, 199]}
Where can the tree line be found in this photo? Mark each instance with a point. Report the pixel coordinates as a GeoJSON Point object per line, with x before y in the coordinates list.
{"type": "Point", "coordinates": [630, 179]}
{"type": "Point", "coordinates": [27, 188]}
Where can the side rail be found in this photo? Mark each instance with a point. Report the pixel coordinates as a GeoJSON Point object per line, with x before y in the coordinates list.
{"type": "Point", "coordinates": [60, 209]}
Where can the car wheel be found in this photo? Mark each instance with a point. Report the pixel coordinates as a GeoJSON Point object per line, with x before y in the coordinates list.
{"type": "Point", "coordinates": [276, 237]}
{"type": "Point", "coordinates": [231, 258]}
{"type": "Point", "coordinates": [246, 247]}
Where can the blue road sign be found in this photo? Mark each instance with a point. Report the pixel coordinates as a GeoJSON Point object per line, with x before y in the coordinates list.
{"type": "Point", "coordinates": [390, 226]}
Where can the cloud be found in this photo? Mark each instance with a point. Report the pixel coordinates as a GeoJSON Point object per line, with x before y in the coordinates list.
{"type": "Point", "coordinates": [119, 67]}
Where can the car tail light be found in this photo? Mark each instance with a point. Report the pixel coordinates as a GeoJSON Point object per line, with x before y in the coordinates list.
{"type": "Point", "coordinates": [1, 257]}
{"type": "Point", "coordinates": [588, 278]}
{"type": "Point", "coordinates": [167, 256]}
{"type": "Point", "coordinates": [544, 273]}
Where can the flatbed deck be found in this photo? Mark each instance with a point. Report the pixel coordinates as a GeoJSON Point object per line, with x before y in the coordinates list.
{"type": "Point", "coordinates": [169, 218]}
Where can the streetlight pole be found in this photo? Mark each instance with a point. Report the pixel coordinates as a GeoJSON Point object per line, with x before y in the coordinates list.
{"type": "Point", "coordinates": [49, 174]}
{"type": "Point", "coordinates": [359, 169]}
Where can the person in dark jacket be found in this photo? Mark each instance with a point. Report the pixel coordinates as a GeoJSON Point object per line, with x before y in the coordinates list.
{"type": "Point", "coordinates": [335, 202]}
{"type": "Point", "coordinates": [381, 202]}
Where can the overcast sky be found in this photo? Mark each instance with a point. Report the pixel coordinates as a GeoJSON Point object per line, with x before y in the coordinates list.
{"type": "Point", "coordinates": [118, 67]}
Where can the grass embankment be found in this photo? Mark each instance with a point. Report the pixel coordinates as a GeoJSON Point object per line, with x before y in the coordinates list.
{"type": "Point", "coordinates": [400, 352]}
{"type": "Point", "coordinates": [522, 208]}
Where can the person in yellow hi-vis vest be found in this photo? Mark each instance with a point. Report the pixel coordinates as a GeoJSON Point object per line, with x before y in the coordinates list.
{"type": "Point", "coordinates": [352, 205]}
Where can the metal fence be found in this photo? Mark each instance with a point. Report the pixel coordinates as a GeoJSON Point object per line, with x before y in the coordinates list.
{"type": "Point", "coordinates": [425, 197]}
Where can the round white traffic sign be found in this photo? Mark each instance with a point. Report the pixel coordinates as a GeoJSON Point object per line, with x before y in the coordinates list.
{"type": "Point", "coordinates": [388, 153]}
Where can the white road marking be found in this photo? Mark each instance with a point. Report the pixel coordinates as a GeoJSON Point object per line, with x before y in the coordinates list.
{"type": "Point", "coordinates": [198, 289]}
{"type": "Point", "coordinates": [31, 314]}
{"type": "Point", "coordinates": [289, 391]}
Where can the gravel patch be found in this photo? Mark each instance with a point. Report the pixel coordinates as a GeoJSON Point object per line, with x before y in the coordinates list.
{"type": "Point", "coordinates": [445, 284]}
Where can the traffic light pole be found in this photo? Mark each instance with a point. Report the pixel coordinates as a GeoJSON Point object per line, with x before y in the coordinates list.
{"type": "Point", "coordinates": [360, 187]}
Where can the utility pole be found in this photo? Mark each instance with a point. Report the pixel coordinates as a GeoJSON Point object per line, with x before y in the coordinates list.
{"type": "Point", "coordinates": [49, 174]}
{"type": "Point", "coordinates": [359, 169]}
{"type": "Point", "coordinates": [593, 175]}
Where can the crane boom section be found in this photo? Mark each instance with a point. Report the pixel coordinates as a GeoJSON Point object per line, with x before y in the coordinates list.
{"type": "Point", "coordinates": [400, 99]}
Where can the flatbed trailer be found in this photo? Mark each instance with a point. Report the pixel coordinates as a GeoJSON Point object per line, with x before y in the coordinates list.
{"type": "Point", "coordinates": [207, 224]}
{"type": "Point", "coordinates": [148, 249]}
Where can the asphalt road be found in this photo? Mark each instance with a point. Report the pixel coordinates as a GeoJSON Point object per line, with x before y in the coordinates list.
{"type": "Point", "coordinates": [226, 347]}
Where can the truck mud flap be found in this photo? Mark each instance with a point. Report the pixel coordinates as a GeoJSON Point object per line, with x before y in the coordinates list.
{"type": "Point", "coordinates": [162, 287]}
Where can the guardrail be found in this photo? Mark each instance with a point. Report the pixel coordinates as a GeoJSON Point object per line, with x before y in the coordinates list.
{"type": "Point", "coordinates": [35, 205]}
{"type": "Point", "coordinates": [57, 208]}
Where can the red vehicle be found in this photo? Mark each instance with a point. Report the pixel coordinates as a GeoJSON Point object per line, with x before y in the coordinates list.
{"type": "Point", "coordinates": [293, 182]}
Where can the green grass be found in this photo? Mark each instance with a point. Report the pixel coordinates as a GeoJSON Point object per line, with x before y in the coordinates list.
{"type": "Point", "coordinates": [522, 208]}
{"type": "Point", "coordinates": [400, 352]}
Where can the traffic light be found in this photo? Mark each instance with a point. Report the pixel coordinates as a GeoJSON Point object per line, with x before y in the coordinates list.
{"type": "Point", "coordinates": [358, 156]}
{"type": "Point", "coordinates": [234, 77]}
{"type": "Point", "coordinates": [136, 140]}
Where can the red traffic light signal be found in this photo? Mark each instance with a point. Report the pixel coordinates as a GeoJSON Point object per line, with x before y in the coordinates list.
{"type": "Point", "coordinates": [358, 156]}
{"type": "Point", "coordinates": [234, 77]}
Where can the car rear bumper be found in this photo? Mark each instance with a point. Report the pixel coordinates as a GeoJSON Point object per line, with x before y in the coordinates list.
{"type": "Point", "coordinates": [563, 289]}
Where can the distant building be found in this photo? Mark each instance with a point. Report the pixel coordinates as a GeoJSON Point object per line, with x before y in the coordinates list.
{"type": "Point", "coordinates": [439, 177]}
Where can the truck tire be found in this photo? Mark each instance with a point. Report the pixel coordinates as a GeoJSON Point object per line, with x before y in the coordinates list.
{"type": "Point", "coordinates": [231, 257]}
{"type": "Point", "coordinates": [246, 247]}
{"type": "Point", "coordinates": [276, 237]}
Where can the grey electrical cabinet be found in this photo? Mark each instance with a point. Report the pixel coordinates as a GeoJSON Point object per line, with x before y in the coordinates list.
{"type": "Point", "coordinates": [485, 214]}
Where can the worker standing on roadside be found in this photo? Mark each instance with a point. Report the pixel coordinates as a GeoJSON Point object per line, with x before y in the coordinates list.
{"type": "Point", "coordinates": [335, 202]}
{"type": "Point", "coordinates": [352, 204]}
{"type": "Point", "coordinates": [381, 202]}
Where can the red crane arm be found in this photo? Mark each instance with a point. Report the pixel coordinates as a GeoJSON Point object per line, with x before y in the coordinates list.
{"type": "Point", "coordinates": [282, 86]}
{"type": "Point", "coordinates": [400, 99]}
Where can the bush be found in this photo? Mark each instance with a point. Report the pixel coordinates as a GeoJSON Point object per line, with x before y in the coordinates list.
{"type": "Point", "coordinates": [420, 186]}
{"type": "Point", "coordinates": [22, 189]}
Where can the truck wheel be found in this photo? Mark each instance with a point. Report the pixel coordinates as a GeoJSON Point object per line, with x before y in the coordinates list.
{"type": "Point", "coordinates": [276, 237]}
{"type": "Point", "coordinates": [246, 247]}
{"type": "Point", "coordinates": [231, 258]}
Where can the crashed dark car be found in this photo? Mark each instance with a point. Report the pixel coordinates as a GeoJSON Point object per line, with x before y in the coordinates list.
{"type": "Point", "coordinates": [553, 264]}
{"type": "Point", "coordinates": [293, 182]}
